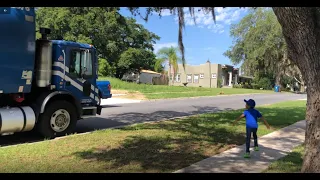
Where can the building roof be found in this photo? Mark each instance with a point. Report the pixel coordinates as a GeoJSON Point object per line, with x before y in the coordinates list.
{"type": "Point", "coordinates": [149, 71]}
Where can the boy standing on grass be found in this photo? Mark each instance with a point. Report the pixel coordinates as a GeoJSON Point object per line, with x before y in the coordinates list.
{"type": "Point", "coordinates": [251, 115]}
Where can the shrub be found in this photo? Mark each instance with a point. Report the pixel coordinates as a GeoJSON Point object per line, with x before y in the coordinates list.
{"type": "Point", "coordinates": [219, 83]}
{"type": "Point", "coordinates": [247, 86]}
{"type": "Point", "coordinates": [255, 86]}
{"type": "Point", "coordinates": [105, 69]}
{"type": "Point", "coordinates": [237, 86]}
{"type": "Point", "coordinates": [264, 83]}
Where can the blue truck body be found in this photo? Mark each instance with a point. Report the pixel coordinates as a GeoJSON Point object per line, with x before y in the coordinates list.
{"type": "Point", "coordinates": [60, 70]}
{"type": "Point", "coordinates": [17, 48]}
{"type": "Point", "coordinates": [36, 76]}
{"type": "Point", "coordinates": [104, 87]}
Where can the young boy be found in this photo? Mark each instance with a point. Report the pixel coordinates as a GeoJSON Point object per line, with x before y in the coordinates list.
{"type": "Point", "coordinates": [251, 115]}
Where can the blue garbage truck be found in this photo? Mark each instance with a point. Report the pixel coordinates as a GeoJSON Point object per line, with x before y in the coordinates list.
{"type": "Point", "coordinates": [45, 85]}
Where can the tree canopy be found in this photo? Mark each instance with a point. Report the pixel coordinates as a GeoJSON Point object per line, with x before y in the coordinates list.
{"type": "Point", "coordinates": [261, 48]}
{"type": "Point", "coordinates": [112, 34]}
{"type": "Point", "coordinates": [133, 60]}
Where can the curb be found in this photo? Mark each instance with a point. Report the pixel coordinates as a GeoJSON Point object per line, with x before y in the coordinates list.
{"type": "Point", "coordinates": [195, 97]}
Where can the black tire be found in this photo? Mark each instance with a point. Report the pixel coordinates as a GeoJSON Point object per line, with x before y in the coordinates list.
{"type": "Point", "coordinates": [44, 126]}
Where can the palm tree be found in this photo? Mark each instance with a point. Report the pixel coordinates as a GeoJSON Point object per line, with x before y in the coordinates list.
{"type": "Point", "coordinates": [181, 13]}
{"type": "Point", "coordinates": [158, 66]}
{"type": "Point", "coordinates": [169, 54]}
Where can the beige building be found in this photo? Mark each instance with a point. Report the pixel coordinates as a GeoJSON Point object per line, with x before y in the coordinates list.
{"type": "Point", "coordinates": [144, 77]}
{"type": "Point", "coordinates": [205, 75]}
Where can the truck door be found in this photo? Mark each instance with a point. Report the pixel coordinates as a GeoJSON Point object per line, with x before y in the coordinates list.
{"type": "Point", "coordinates": [82, 74]}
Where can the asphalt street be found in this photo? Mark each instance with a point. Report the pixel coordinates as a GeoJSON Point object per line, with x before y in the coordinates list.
{"type": "Point", "coordinates": [126, 114]}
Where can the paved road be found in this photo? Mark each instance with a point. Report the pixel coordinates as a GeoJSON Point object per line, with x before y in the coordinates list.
{"type": "Point", "coordinates": [125, 114]}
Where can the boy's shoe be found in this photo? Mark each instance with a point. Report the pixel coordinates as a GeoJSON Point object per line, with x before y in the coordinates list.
{"type": "Point", "coordinates": [256, 148]}
{"type": "Point", "coordinates": [246, 155]}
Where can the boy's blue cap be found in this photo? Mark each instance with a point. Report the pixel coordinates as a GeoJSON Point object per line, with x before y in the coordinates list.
{"type": "Point", "coordinates": [250, 102]}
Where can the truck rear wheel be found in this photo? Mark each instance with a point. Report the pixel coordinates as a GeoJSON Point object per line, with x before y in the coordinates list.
{"type": "Point", "coordinates": [58, 119]}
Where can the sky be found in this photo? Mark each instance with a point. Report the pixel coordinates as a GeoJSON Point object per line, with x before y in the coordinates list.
{"type": "Point", "coordinates": [203, 40]}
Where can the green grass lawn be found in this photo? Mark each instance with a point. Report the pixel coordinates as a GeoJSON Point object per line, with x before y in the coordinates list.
{"type": "Point", "coordinates": [291, 163]}
{"type": "Point", "coordinates": [164, 92]}
{"type": "Point", "coordinates": [151, 147]}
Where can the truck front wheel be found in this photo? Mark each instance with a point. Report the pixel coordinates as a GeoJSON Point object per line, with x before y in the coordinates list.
{"type": "Point", "coordinates": [58, 119]}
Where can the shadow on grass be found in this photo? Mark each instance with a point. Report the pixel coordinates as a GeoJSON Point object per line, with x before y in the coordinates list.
{"type": "Point", "coordinates": [160, 153]}
{"type": "Point", "coordinates": [184, 141]}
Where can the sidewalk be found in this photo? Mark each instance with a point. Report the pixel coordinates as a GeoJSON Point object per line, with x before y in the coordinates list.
{"type": "Point", "coordinates": [272, 147]}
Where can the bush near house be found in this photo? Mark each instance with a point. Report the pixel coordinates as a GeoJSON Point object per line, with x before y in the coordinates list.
{"type": "Point", "coordinates": [264, 83]}
{"type": "Point", "coordinates": [237, 86]}
{"type": "Point", "coordinates": [258, 83]}
{"type": "Point", "coordinates": [245, 86]}
{"type": "Point", "coordinates": [162, 80]}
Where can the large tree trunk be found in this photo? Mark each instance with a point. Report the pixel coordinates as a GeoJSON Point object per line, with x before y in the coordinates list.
{"type": "Point", "coordinates": [279, 75]}
{"type": "Point", "coordinates": [300, 26]}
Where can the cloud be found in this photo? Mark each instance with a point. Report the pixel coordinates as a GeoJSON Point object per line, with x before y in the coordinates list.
{"type": "Point", "coordinates": [164, 12]}
{"type": "Point", "coordinates": [224, 16]}
{"type": "Point", "coordinates": [162, 45]}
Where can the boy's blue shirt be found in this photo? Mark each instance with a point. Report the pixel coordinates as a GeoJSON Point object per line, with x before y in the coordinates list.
{"type": "Point", "coordinates": [252, 116]}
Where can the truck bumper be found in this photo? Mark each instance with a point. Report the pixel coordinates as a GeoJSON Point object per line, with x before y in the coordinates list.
{"type": "Point", "coordinates": [107, 96]}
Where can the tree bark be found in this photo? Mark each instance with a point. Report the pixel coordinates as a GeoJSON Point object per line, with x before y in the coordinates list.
{"type": "Point", "coordinates": [301, 30]}
{"type": "Point", "coordinates": [279, 70]}
{"type": "Point", "coordinates": [169, 72]}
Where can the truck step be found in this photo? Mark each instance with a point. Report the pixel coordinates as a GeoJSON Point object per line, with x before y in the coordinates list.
{"type": "Point", "coordinates": [88, 112]}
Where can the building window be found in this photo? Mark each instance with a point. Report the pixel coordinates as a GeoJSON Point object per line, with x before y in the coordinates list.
{"type": "Point", "coordinates": [171, 75]}
{"type": "Point", "coordinates": [196, 78]}
{"type": "Point", "coordinates": [213, 75]}
{"type": "Point", "coordinates": [178, 78]}
{"type": "Point", "coordinates": [201, 76]}
{"type": "Point", "coordinates": [189, 78]}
